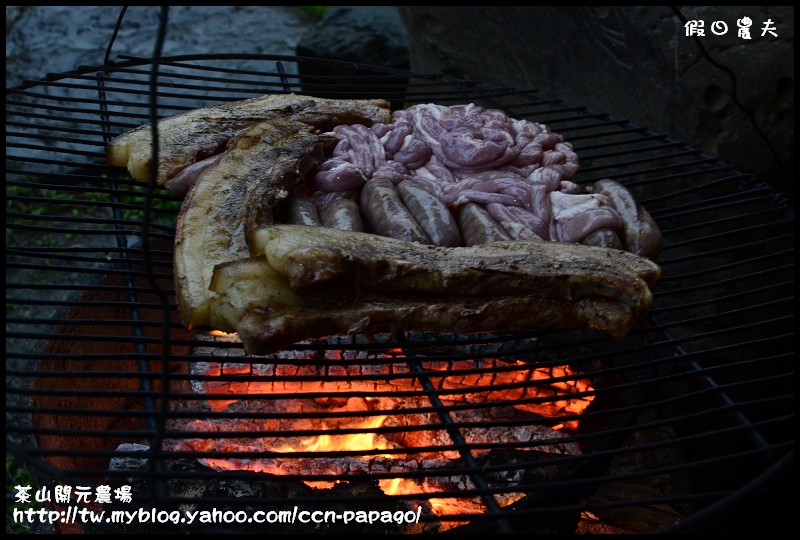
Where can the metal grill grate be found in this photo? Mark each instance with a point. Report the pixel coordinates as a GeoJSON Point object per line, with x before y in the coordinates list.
{"type": "Point", "coordinates": [699, 398]}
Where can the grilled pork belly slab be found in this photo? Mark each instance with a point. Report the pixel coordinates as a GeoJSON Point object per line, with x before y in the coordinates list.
{"type": "Point", "coordinates": [261, 166]}
{"type": "Point", "coordinates": [193, 136]}
{"type": "Point", "coordinates": [313, 282]}
{"type": "Point", "coordinates": [311, 257]}
{"type": "Point", "coordinates": [267, 330]}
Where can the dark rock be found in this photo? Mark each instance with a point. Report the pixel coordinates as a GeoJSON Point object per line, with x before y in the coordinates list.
{"type": "Point", "coordinates": [12, 14]}
{"type": "Point", "coordinates": [635, 63]}
{"type": "Point", "coordinates": [372, 35]}
{"type": "Point", "coordinates": [363, 34]}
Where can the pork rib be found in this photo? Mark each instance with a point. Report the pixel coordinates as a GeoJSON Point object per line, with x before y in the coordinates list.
{"type": "Point", "coordinates": [195, 135]}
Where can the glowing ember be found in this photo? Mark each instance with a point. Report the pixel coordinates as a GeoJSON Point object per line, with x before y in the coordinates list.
{"type": "Point", "coordinates": [337, 443]}
{"type": "Point", "coordinates": [220, 333]}
{"type": "Point", "coordinates": [531, 407]}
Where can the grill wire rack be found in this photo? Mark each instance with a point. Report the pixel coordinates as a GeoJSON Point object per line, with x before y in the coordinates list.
{"type": "Point", "coordinates": [700, 396]}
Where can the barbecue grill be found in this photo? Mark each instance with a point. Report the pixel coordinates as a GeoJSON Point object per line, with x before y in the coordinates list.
{"type": "Point", "coordinates": [688, 418]}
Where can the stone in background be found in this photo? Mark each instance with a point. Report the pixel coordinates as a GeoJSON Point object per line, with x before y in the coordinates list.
{"type": "Point", "coordinates": [362, 34]}
{"type": "Point", "coordinates": [55, 39]}
{"type": "Point", "coordinates": [635, 63]}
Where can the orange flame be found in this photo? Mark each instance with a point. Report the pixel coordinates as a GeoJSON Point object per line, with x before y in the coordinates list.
{"type": "Point", "coordinates": [337, 443]}
{"type": "Point", "coordinates": [220, 333]}
{"type": "Point", "coordinates": [444, 377]}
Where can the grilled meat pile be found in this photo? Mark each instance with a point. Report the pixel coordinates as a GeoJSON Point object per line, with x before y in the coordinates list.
{"type": "Point", "coordinates": [305, 217]}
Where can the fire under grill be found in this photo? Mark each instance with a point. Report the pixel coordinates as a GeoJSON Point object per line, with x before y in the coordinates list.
{"type": "Point", "coordinates": [668, 429]}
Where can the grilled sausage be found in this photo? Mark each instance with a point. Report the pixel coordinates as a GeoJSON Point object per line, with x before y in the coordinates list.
{"type": "Point", "coordinates": [385, 213]}
{"type": "Point", "coordinates": [432, 214]}
{"type": "Point", "coordinates": [607, 238]}
{"type": "Point", "coordinates": [342, 214]}
{"type": "Point", "coordinates": [181, 183]}
{"type": "Point", "coordinates": [301, 211]}
{"type": "Point", "coordinates": [641, 234]}
{"type": "Point", "coordinates": [516, 228]}
{"type": "Point", "coordinates": [478, 227]}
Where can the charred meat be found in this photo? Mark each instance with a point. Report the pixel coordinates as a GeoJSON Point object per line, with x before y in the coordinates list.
{"type": "Point", "coordinates": [199, 134]}
{"type": "Point", "coordinates": [313, 282]}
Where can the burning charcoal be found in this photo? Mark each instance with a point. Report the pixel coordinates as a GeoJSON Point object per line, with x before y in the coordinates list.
{"type": "Point", "coordinates": [312, 390]}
